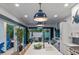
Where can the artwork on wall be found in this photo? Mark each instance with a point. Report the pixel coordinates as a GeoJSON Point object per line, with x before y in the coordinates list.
{"type": "Point", "coordinates": [10, 36]}
{"type": "Point", "coordinates": [76, 17]}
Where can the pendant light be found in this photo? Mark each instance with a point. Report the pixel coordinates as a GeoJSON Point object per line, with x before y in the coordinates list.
{"type": "Point", "coordinates": [40, 24]}
{"type": "Point", "coordinates": [40, 16]}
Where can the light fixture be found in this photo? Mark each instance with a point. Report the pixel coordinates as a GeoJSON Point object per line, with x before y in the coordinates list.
{"type": "Point", "coordinates": [25, 16]}
{"type": "Point", "coordinates": [17, 5]}
{"type": "Point", "coordinates": [40, 16]}
{"type": "Point", "coordinates": [40, 24]}
{"type": "Point", "coordinates": [55, 15]}
{"type": "Point", "coordinates": [66, 4]}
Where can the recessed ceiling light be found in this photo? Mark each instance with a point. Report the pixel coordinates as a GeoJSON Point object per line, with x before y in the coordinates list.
{"type": "Point", "coordinates": [40, 25]}
{"type": "Point", "coordinates": [66, 5]}
{"type": "Point", "coordinates": [55, 15]}
{"type": "Point", "coordinates": [25, 16]}
{"type": "Point", "coordinates": [17, 5]}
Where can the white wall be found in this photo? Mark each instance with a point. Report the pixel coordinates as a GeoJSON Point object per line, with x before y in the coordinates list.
{"type": "Point", "coordinates": [75, 27]}
{"type": "Point", "coordinates": [68, 20]}
{"type": "Point", "coordinates": [65, 30]}
{"type": "Point", "coordinates": [3, 33]}
{"type": "Point", "coordinates": [68, 29]}
{"type": "Point", "coordinates": [64, 35]}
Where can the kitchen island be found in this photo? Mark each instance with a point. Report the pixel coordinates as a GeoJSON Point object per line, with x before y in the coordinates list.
{"type": "Point", "coordinates": [48, 50]}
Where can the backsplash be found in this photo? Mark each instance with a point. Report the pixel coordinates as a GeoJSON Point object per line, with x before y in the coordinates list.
{"type": "Point", "coordinates": [75, 34]}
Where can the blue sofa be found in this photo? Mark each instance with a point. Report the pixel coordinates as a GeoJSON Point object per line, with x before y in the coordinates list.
{"type": "Point", "coordinates": [1, 47]}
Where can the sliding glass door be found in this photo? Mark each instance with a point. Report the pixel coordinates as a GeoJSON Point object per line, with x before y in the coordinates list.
{"type": "Point", "coordinates": [10, 37]}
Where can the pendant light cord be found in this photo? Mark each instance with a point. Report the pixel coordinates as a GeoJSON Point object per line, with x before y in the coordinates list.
{"type": "Point", "coordinates": [40, 5]}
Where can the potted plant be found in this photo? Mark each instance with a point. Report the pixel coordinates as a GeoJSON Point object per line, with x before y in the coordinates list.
{"type": "Point", "coordinates": [19, 38]}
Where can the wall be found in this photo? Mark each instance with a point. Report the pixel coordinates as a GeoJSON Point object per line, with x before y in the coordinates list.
{"type": "Point", "coordinates": [3, 27]}
{"type": "Point", "coordinates": [75, 26]}
{"type": "Point", "coordinates": [64, 36]}
{"type": "Point", "coordinates": [2, 38]}
{"type": "Point", "coordinates": [3, 33]}
{"type": "Point", "coordinates": [68, 29]}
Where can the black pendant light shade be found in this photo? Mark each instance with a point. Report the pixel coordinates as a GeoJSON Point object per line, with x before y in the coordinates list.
{"type": "Point", "coordinates": [40, 15]}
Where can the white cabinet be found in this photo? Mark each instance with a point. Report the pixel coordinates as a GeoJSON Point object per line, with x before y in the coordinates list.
{"type": "Point", "coordinates": [67, 50]}
{"type": "Point", "coordinates": [65, 31]}
{"type": "Point", "coordinates": [64, 49]}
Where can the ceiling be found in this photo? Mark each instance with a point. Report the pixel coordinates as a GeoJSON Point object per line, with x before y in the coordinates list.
{"type": "Point", "coordinates": [31, 8]}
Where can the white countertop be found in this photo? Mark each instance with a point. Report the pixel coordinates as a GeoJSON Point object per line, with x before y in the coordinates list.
{"type": "Point", "coordinates": [71, 44]}
{"type": "Point", "coordinates": [48, 50]}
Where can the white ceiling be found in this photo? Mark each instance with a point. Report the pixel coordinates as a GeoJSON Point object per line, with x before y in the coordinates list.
{"type": "Point", "coordinates": [31, 8]}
